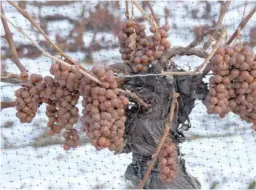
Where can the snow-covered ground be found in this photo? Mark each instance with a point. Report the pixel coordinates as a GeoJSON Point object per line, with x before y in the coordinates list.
{"type": "Point", "coordinates": [224, 153]}
{"type": "Point", "coordinates": [52, 167]}
{"type": "Point", "coordinates": [229, 160]}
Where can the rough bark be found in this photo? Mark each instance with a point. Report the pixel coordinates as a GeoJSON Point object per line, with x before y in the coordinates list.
{"type": "Point", "coordinates": [144, 128]}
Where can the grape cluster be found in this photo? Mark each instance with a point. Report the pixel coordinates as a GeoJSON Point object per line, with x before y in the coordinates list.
{"type": "Point", "coordinates": [61, 103]}
{"type": "Point", "coordinates": [104, 114]}
{"type": "Point", "coordinates": [167, 162]}
{"type": "Point", "coordinates": [63, 114]}
{"type": "Point", "coordinates": [233, 86]}
{"type": "Point", "coordinates": [27, 99]}
{"type": "Point", "coordinates": [63, 110]}
{"type": "Point", "coordinates": [138, 49]}
{"type": "Point", "coordinates": [104, 107]}
{"type": "Point", "coordinates": [67, 76]}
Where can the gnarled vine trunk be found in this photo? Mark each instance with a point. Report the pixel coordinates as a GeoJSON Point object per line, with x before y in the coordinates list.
{"type": "Point", "coordinates": [144, 128]}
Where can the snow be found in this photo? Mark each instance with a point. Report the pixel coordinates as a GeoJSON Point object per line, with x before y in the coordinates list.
{"type": "Point", "coordinates": [228, 161]}
{"type": "Point", "coordinates": [210, 159]}
{"type": "Point", "coordinates": [231, 157]}
{"type": "Point", "coordinates": [52, 167]}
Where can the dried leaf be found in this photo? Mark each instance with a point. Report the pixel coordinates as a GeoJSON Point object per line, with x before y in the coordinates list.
{"type": "Point", "coordinates": [132, 40]}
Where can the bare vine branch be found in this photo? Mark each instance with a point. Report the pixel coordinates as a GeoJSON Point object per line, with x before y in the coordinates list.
{"type": "Point", "coordinates": [201, 68]}
{"type": "Point", "coordinates": [185, 51]}
{"type": "Point", "coordinates": [34, 24]}
{"type": "Point", "coordinates": [93, 78]}
{"type": "Point", "coordinates": [127, 10]}
{"type": "Point", "coordinates": [182, 51]}
{"type": "Point", "coordinates": [145, 15]}
{"type": "Point", "coordinates": [11, 78]}
{"type": "Point", "coordinates": [241, 26]}
{"type": "Point", "coordinates": [245, 6]}
{"type": "Point", "coordinates": [168, 126]}
{"type": "Point", "coordinates": [223, 9]}
{"type": "Point", "coordinates": [90, 76]}
{"type": "Point", "coordinates": [170, 54]}
{"type": "Point", "coordinates": [5, 105]}
{"type": "Point", "coordinates": [8, 37]}
{"type": "Point", "coordinates": [152, 12]}
{"type": "Point", "coordinates": [136, 97]}
{"type": "Point", "coordinates": [163, 73]}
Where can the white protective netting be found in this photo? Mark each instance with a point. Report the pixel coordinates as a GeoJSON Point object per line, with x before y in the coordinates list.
{"type": "Point", "coordinates": [219, 152]}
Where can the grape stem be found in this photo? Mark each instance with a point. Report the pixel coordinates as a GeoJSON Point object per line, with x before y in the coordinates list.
{"type": "Point", "coordinates": [168, 126]}
{"type": "Point", "coordinates": [8, 37]}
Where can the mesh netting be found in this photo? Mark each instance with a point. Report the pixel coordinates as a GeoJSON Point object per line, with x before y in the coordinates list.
{"type": "Point", "coordinates": [219, 152]}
